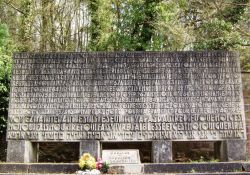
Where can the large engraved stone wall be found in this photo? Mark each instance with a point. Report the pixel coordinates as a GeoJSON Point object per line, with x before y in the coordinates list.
{"type": "Point", "coordinates": [126, 96]}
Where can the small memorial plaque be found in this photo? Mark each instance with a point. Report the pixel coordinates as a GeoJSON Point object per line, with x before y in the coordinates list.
{"type": "Point", "coordinates": [121, 156]}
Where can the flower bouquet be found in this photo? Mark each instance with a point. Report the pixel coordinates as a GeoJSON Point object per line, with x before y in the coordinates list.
{"type": "Point", "coordinates": [102, 166]}
{"type": "Point", "coordinates": [89, 166]}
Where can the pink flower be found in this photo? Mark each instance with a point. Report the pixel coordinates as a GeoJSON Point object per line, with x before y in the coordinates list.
{"type": "Point", "coordinates": [99, 163]}
{"type": "Point", "coordinates": [99, 160]}
{"type": "Point", "coordinates": [99, 166]}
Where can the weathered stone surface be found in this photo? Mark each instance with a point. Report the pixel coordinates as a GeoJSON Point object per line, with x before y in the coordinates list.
{"type": "Point", "coordinates": [53, 168]}
{"type": "Point", "coordinates": [246, 166]}
{"type": "Point", "coordinates": [229, 173]}
{"type": "Point", "coordinates": [21, 151]}
{"type": "Point", "coordinates": [90, 146]}
{"type": "Point", "coordinates": [246, 94]}
{"type": "Point", "coordinates": [221, 168]}
{"type": "Point", "coordinates": [236, 150]}
{"type": "Point", "coordinates": [116, 169]}
{"type": "Point", "coordinates": [38, 168]}
{"type": "Point", "coordinates": [192, 167]}
{"type": "Point", "coordinates": [14, 167]}
{"type": "Point", "coordinates": [162, 151]}
{"type": "Point", "coordinates": [128, 95]}
{"type": "Point", "coordinates": [126, 169]}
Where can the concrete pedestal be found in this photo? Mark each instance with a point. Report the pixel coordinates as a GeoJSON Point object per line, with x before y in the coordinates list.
{"type": "Point", "coordinates": [162, 151]}
{"type": "Point", "coordinates": [90, 146]}
{"type": "Point", "coordinates": [21, 151]}
{"type": "Point", "coordinates": [235, 150]}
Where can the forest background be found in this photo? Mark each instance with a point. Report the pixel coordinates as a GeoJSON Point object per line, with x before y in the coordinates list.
{"type": "Point", "coordinates": [118, 25]}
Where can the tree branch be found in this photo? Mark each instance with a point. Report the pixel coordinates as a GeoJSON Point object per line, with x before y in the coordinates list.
{"type": "Point", "coordinates": [12, 6]}
{"type": "Point", "coordinates": [238, 4]}
{"type": "Point", "coordinates": [243, 32]}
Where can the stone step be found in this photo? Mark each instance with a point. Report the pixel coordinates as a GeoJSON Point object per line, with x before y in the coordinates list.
{"type": "Point", "coordinates": [217, 173]}
{"type": "Point", "coordinates": [148, 168]}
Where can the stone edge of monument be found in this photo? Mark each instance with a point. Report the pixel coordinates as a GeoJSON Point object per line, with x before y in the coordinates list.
{"type": "Point", "coordinates": [126, 169]}
{"type": "Point", "coordinates": [246, 166]}
{"type": "Point", "coordinates": [101, 54]}
{"type": "Point", "coordinates": [147, 168]}
{"type": "Point", "coordinates": [38, 167]}
{"type": "Point", "coordinates": [134, 54]}
{"type": "Point", "coordinates": [197, 167]}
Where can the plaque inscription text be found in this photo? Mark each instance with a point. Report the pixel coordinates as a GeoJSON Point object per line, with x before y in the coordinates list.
{"type": "Point", "coordinates": [126, 96]}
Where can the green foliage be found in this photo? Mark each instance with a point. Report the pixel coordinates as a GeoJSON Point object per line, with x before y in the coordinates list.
{"type": "Point", "coordinates": [3, 35]}
{"type": "Point", "coordinates": [203, 159]}
{"type": "Point", "coordinates": [105, 168]}
{"type": "Point", "coordinates": [128, 25]}
{"type": "Point", "coordinates": [25, 26]}
{"type": "Point", "coordinates": [171, 34]}
{"type": "Point", "coordinates": [192, 171]}
{"type": "Point", "coordinates": [137, 25]}
{"type": "Point", "coordinates": [233, 14]}
{"type": "Point", "coordinates": [5, 74]}
{"type": "Point", "coordinates": [100, 26]}
{"type": "Point", "coordinates": [245, 58]}
{"type": "Point", "coordinates": [216, 34]}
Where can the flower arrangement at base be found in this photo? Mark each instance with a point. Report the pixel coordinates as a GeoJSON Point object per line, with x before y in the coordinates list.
{"type": "Point", "coordinates": [102, 166]}
{"type": "Point", "coordinates": [87, 162]}
{"type": "Point", "coordinates": [89, 166]}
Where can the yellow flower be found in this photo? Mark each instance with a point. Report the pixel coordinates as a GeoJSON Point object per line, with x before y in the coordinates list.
{"type": "Point", "coordinates": [92, 159]}
{"type": "Point", "coordinates": [87, 162]}
{"type": "Point", "coordinates": [86, 156]}
{"type": "Point", "coordinates": [91, 164]}
{"type": "Point", "coordinates": [81, 163]}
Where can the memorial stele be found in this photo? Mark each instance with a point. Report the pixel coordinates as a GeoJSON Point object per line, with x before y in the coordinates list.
{"type": "Point", "coordinates": [95, 97]}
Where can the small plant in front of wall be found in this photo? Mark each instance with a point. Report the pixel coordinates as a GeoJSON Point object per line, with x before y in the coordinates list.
{"type": "Point", "coordinates": [203, 160]}
{"type": "Point", "coordinates": [89, 166]}
{"type": "Point", "coordinates": [192, 171]}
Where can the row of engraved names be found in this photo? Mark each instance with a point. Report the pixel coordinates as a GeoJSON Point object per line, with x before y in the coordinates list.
{"type": "Point", "coordinates": [126, 60]}
{"type": "Point", "coordinates": [66, 110]}
{"type": "Point", "coordinates": [128, 63]}
{"type": "Point", "coordinates": [135, 82]}
{"type": "Point", "coordinates": [133, 88]}
{"type": "Point", "coordinates": [132, 55]}
{"type": "Point", "coordinates": [17, 109]}
{"type": "Point", "coordinates": [182, 118]}
{"type": "Point", "coordinates": [126, 67]}
{"type": "Point", "coordinates": [56, 102]}
{"type": "Point", "coordinates": [120, 60]}
{"type": "Point", "coordinates": [126, 136]}
{"type": "Point", "coordinates": [108, 127]}
{"type": "Point", "coordinates": [124, 57]}
{"type": "Point", "coordinates": [196, 99]}
{"type": "Point", "coordinates": [145, 105]}
{"type": "Point", "coordinates": [112, 70]}
{"type": "Point", "coordinates": [127, 95]}
{"type": "Point", "coordinates": [120, 76]}
{"type": "Point", "coordinates": [109, 70]}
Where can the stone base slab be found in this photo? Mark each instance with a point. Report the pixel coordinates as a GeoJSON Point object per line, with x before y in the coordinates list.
{"type": "Point", "coordinates": [246, 166]}
{"type": "Point", "coordinates": [126, 169]}
{"type": "Point", "coordinates": [38, 167]}
{"type": "Point", "coordinates": [193, 167]}
{"type": "Point", "coordinates": [148, 168]}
